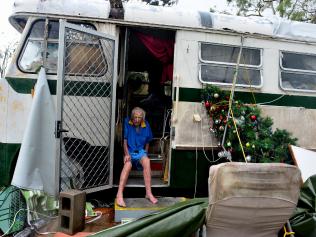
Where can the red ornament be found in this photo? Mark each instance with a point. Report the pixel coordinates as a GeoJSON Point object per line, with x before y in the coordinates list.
{"type": "Point", "coordinates": [253, 117]}
{"type": "Point", "coordinates": [207, 104]}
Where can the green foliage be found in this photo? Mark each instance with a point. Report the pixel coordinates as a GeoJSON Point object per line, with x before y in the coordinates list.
{"type": "Point", "coordinates": [298, 16]}
{"type": "Point", "coordinates": [258, 139]}
{"type": "Point", "coordinates": [299, 10]}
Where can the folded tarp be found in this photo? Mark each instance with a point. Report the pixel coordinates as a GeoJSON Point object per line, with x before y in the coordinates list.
{"type": "Point", "coordinates": [35, 167]}
{"type": "Point", "coordinates": [304, 220]}
{"type": "Point", "coordinates": [181, 219]}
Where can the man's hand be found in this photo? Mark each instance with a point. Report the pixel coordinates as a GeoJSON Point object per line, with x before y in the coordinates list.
{"type": "Point", "coordinates": [127, 158]}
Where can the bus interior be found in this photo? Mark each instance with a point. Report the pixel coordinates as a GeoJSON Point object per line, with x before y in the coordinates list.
{"type": "Point", "coordinates": [147, 84]}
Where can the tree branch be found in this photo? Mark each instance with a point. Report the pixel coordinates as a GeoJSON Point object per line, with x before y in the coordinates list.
{"type": "Point", "coordinates": [292, 10]}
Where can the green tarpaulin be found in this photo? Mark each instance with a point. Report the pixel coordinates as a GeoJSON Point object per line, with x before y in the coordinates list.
{"type": "Point", "coordinates": [304, 220]}
{"type": "Point", "coordinates": [181, 219]}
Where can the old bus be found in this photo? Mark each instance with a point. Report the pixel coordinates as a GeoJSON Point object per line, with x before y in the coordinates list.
{"type": "Point", "coordinates": [159, 58]}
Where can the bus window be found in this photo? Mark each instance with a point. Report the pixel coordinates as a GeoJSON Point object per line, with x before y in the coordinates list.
{"type": "Point", "coordinates": [31, 57]}
{"type": "Point", "coordinates": [218, 63]}
{"type": "Point", "coordinates": [298, 71]}
{"type": "Point", "coordinates": [90, 62]}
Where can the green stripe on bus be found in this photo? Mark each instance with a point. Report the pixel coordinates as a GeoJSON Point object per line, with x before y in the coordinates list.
{"type": "Point", "coordinates": [25, 85]}
{"type": "Point", "coordinates": [78, 88]}
{"type": "Point", "coordinates": [309, 102]}
{"type": "Point", "coordinates": [183, 168]}
{"type": "Point", "coordinates": [8, 153]}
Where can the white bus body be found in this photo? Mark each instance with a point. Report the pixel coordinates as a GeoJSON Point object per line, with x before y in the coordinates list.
{"type": "Point", "coordinates": [282, 67]}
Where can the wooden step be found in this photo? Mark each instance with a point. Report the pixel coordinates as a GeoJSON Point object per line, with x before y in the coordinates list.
{"type": "Point", "coordinates": [139, 173]}
{"type": "Point", "coordinates": [155, 157]}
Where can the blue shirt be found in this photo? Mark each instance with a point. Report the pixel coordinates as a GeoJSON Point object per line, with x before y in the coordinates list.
{"type": "Point", "coordinates": [136, 140]}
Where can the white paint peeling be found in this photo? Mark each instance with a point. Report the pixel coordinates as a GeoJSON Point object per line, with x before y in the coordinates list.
{"type": "Point", "coordinates": [17, 113]}
{"type": "Point", "coordinates": [4, 87]}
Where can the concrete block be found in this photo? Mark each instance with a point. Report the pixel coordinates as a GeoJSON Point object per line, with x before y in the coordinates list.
{"type": "Point", "coordinates": [72, 211]}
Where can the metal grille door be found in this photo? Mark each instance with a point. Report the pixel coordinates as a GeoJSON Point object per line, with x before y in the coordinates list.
{"type": "Point", "coordinates": [86, 88]}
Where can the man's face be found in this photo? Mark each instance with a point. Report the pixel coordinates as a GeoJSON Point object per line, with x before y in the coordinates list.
{"type": "Point", "coordinates": [138, 118]}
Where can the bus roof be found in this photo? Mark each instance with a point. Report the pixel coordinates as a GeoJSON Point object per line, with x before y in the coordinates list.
{"type": "Point", "coordinates": [141, 13]}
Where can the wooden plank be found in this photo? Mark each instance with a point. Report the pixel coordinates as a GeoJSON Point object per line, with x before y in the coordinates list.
{"type": "Point", "coordinates": [305, 160]}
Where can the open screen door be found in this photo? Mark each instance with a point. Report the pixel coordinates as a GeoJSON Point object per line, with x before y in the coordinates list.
{"type": "Point", "coordinates": [86, 86]}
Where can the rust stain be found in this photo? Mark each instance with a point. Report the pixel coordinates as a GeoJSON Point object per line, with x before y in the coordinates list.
{"type": "Point", "coordinates": [3, 99]}
{"type": "Point", "coordinates": [17, 106]}
{"type": "Point", "coordinates": [1, 89]}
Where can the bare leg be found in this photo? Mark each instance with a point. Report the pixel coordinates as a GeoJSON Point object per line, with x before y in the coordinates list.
{"type": "Point", "coordinates": [123, 179]}
{"type": "Point", "coordinates": [147, 179]}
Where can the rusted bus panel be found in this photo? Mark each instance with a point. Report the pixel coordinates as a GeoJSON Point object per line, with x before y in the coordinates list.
{"type": "Point", "coordinates": [297, 120]}
{"type": "Point", "coordinates": [189, 133]}
{"type": "Point", "coordinates": [3, 109]}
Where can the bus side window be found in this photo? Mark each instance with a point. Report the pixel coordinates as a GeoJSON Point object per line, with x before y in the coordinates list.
{"type": "Point", "coordinates": [90, 61]}
{"type": "Point", "coordinates": [298, 71]}
{"type": "Point", "coordinates": [218, 63]}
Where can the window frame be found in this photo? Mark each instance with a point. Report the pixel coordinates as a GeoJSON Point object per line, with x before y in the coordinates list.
{"type": "Point", "coordinates": [294, 71]}
{"type": "Point", "coordinates": [232, 65]}
{"type": "Point", "coordinates": [49, 40]}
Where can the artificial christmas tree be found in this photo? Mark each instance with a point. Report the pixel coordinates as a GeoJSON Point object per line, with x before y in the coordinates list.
{"type": "Point", "coordinates": [242, 131]}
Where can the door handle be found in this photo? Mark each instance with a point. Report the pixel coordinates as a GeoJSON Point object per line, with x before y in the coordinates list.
{"type": "Point", "coordinates": [59, 129]}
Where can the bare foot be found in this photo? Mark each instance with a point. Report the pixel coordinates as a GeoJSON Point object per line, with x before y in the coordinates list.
{"type": "Point", "coordinates": [152, 198]}
{"type": "Point", "coordinates": [120, 202]}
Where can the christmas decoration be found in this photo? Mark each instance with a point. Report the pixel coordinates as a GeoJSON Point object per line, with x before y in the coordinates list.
{"type": "Point", "coordinates": [207, 104]}
{"type": "Point", "coordinates": [224, 154]}
{"type": "Point", "coordinates": [259, 142]}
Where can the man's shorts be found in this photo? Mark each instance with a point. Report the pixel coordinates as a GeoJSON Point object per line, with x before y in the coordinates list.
{"type": "Point", "coordinates": [136, 157]}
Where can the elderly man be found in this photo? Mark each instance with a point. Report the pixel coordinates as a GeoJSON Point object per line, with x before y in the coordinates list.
{"type": "Point", "coordinates": [137, 135]}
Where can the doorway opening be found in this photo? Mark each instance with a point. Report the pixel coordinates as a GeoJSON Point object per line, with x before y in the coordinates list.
{"type": "Point", "coordinates": [148, 84]}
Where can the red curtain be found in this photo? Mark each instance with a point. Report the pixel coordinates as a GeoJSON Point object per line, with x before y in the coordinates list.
{"type": "Point", "coordinates": [163, 51]}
